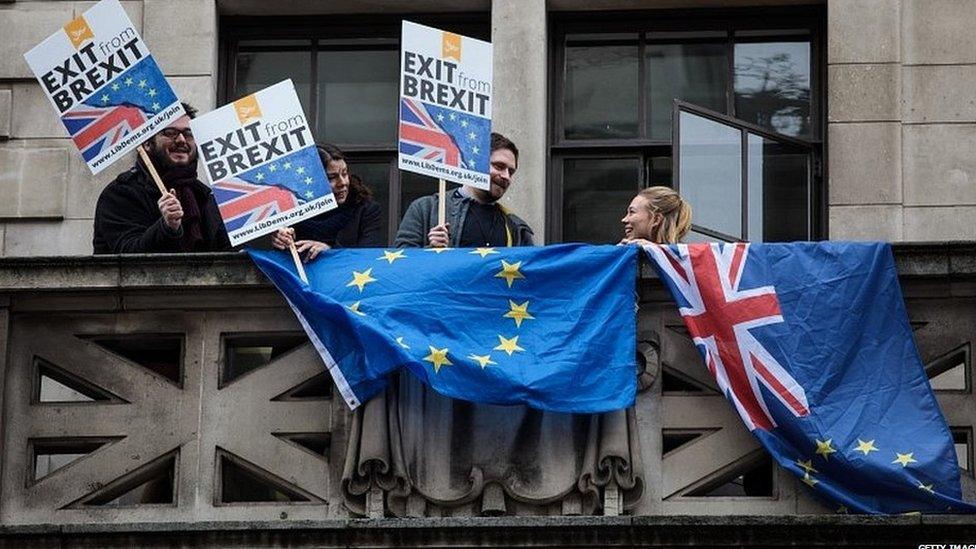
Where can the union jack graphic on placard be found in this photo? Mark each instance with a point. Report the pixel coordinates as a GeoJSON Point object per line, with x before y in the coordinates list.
{"type": "Point", "coordinates": [95, 129]}
{"type": "Point", "coordinates": [720, 316]}
{"type": "Point", "coordinates": [243, 203]}
{"type": "Point", "coordinates": [422, 137]}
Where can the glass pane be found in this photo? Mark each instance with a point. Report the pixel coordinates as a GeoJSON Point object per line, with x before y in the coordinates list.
{"type": "Point", "coordinates": [601, 92]}
{"type": "Point", "coordinates": [778, 195]}
{"type": "Point", "coordinates": [710, 173]}
{"type": "Point", "coordinates": [772, 86]}
{"type": "Point", "coordinates": [258, 70]}
{"type": "Point", "coordinates": [696, 73]}
{"type": "Point", "coordinates": [358, 96]}
{"type": "Point", "coordinates": [596, 192]}
{"type": "Point", "coordinates": [376, 176]}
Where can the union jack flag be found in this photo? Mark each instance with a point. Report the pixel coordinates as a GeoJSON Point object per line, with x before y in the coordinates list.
{"type": "Point", "coordinates": [421, 136]}
{"type": "Point", "coordinates": [95, 129]}
{"type": "Point", "coordinates": [720, 314]}
{"type": "Point", "coordinates": [243, 203]}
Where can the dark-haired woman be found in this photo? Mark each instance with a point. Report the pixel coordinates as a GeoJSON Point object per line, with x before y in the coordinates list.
{"type": "Point", "coordinates": [354, 224]}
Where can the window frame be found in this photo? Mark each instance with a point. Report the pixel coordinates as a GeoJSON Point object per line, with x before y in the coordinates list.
{"type": "Point", "coordinates": [785, 18]}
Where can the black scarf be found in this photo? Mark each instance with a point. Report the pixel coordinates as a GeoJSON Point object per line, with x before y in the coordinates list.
{"type": "Point", "coordinates": [183, 180]}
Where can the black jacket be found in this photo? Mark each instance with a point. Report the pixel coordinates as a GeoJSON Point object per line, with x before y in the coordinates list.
{"type": "Point", "coordinates": [350, 225]}
{"type": "Point", "coordinates": [127, 219]}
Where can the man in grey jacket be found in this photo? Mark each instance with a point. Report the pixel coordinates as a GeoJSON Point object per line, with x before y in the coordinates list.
{"type": "Point", "coordinates": [474, 216]}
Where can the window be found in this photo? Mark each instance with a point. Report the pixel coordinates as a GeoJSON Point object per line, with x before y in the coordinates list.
{"type": "Point", "coordinates": [346, 71]}
{"type": "Point", "coordinates": [613, 96]}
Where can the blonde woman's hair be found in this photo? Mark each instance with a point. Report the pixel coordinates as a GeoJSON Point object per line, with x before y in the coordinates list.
{"type": "Point", "coordinates": [675, 212]}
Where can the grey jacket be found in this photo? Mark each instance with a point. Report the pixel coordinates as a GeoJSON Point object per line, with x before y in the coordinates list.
{"type": "Point", "coordinates": [421, 216]}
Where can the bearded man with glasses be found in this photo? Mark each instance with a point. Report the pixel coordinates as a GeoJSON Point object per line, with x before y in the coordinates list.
{"type": "Point", "coordinates": [131, 216]}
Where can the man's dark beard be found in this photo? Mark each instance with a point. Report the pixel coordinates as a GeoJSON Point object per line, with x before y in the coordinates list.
{"type": "Point", "coordinates": [162, 162]}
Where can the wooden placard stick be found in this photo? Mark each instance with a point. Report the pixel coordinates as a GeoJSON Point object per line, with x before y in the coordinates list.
{"type": "Point", "coordinates": [441, 201]}
{"type": "Point", "coordinates": [298, 262]}
{"type": "Point", "coordinates": [152, 169]}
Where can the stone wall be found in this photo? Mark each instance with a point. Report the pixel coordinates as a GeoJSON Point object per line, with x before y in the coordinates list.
{"type": "Point", "coordinates": [902, 119]}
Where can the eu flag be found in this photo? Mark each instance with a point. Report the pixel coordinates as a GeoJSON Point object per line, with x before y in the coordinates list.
{"type": "Point", "coordinates": [811, 344]}
{"type": "Point", "coordinates": [551, 327]}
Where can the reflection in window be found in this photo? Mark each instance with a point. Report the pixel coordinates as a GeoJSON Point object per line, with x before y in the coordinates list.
{"type": "Point", "coordinates": [601, 90]}
{"type": "Point", "coordinates": [777, 183]}
{"type": "Point", "coordinates": [711, 173]}
{"type": "Point", "coordinates": [358, 96]}
{"type": "Point", "coordinates": [696, 73]}
{"type": "Point", "coordinates": [596, 194]}
{"type": "Point", "coordinates": [772, 85]}
{"type": "Point", "coordinates": [257, 70]}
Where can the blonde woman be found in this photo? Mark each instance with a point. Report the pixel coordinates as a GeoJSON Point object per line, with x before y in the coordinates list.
{"type": "Point", "coordinates": [657, 215]}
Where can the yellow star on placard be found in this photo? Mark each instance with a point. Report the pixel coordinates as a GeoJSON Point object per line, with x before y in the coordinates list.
{"type": "Point", "coordinates": [484, 360]}
{"type": "Point", "coordinates": [355, 308]}
{"type": "Point", "coordinates": [807, 466]}
{"type": "Point", "coordinates": [400, 342]}
{"type": "Point", "coordinates": [510, 271]}
{"type": "Point", "coordinates": [508, 345]}
{"type": "Point", "coordinates": [438, 357]}
{"type": "Point", "coordinates": [824, 448]}
{"type": "Point", "coordinates": [437, 250]}
{"type": "Point", "coordinates": [808, 480]}
{"type": "Point", "coordinates": [926, 487]}
{"type": "Point", "coordinates": [905, 459]}
{"type": "Point", "coordinates": [518, 313]}
{"type": "Point", "coordinates": [361, 279]}
{"type": "Point", "coordinates": [865, 447]}
{"type": "Point", "coordinates": [483, 251]}
{"type": "Point", "coordinates": [392, 256]}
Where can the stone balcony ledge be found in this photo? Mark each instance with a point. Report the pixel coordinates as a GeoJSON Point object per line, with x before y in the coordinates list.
{"type": "Point", "coordinates": [234, 270]}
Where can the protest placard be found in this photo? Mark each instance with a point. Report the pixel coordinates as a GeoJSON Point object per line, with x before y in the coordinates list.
{"type": "Point", "coordinates": [261, 161]}
{"type": "Point", "coordinates": [104, 84]}
{"type": "Point", "coordinates": [445, 105]}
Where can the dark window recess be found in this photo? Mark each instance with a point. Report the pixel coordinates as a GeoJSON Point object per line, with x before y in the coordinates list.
{"type": "Point", "coordinates": [153, 484]}
{"type": "Point", "coordinates": [346, 71]}
{"type": "Point", "coordinates": [614, 80]}
{"type": "Point", "coordinates": [751, 479]}
{"type": "Point", "coordinates": [55, 385]}
{"type": "Point", "coordinates": [246, 353]}
{"type": "Point", "coordinates": [318, 387]}
{"type": "Point", "coordinates": [243, 482]}
{"type": "Point", "coordinates": [51, 455]}
{"type": "Point", "coordinates": [162, 353]}
{"type": "Point", "coordinates": [673, 381]}
{"type": "Point", "coordinates": [317, 443]}
{"type": "Point", "coordinates": [962, 438]}
{"type": "Point", "coordinates": [672, 440]}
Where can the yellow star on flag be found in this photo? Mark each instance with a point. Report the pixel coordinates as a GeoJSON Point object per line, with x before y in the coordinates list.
{"type": "Point", "coordinates": [392, 256]}
{"type": "Point", "coordinates": [809, 481]}
{"type": "Point", "coordinates": [824, 448]}
{"type": "Point", "coordinates": [865, 447]}
{"type": "Point", "coordinates": [361, 279]}
{"type": "Point", "coordinates": [905, 459]}
{"type": "Point", "coordinates": [355, 308]}
{"type": "Point", "coordinates": [926, 487]}
{"type": "Point", "coordinates": [437, 250]}
{"type": "Point", "coordinates": [399, 340]}
{"type": "Point", "coordinates": [807, 466]}
{"type": "Point", "coordinates": [510, 272]}
{"type": "Point", "coordinates": [508, 345]}
{"type": "Point", "coordinates": [842, 509]}
{"type": "Point", "coordinates": [483, 251]}
{"type": "Point", "coordinates": [438, 357]}
{"type": "Point", "coordinates": [518, 312]}
{"type": "Point", "coordinates": [483, 360]}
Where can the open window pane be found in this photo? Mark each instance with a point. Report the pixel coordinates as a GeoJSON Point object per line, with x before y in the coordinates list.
{"type": "Point", "coordinates": [601, 90]}
{"type": "Point", "coordinates": [772, 86]}
{"type": "Point", "coordinates": [597, 192]}
{"type": "Point", "coordinates": [358, 96]}
{"type": "Point", "coordinates": [778, 182]}
{"type": "Point", "coordinates": [710, 167]}
{"type": "Point", "coordinates": [697, 73]}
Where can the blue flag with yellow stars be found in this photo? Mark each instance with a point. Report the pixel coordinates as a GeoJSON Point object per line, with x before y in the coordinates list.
{"type": "Point", "coordinates": [551, 327]}
{"type": "Point", "coordinates": [811, 344]}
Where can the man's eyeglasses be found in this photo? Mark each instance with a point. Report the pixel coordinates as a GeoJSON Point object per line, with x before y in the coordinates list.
{"type": "Point", "coordinates": [173, 133]}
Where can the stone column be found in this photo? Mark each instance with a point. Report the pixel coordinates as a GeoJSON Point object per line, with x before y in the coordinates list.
{"type": "Point", "coordinates": [518, 33]}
